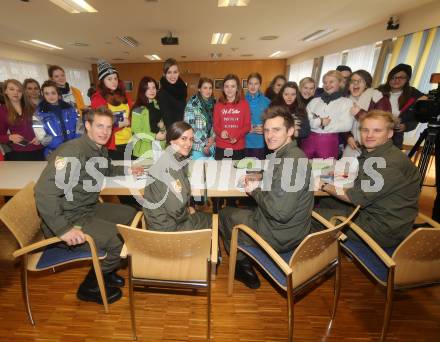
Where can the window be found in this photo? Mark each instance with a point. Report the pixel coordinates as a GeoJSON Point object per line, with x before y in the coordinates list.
{"type": "Point", "coordinates": [300, 70]}
{"type": "Point", "coordinates": [20, 70]}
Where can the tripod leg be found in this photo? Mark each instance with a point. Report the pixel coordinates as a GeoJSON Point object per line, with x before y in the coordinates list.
{"type": "Point", "coordinates": [436, 209]}
{"type": "Point", "coordinates": [416, 146]}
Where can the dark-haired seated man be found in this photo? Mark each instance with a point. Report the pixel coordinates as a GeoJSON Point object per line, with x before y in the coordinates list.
{"type": "Point", "coordinates": [387, 186]}
{"type": "Point", "coordinates": [67, 194]}
{"type": "Point", "coordinates": [284, 202]}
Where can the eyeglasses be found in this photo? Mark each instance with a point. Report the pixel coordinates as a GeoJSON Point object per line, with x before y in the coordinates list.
{"type": "Point", "coordinates": [399, 78]}
{"type": "Point", "coordinates": [357, 81]}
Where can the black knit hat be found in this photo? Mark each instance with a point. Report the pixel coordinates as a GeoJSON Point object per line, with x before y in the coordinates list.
{"type": "Point", "coordinates": [105, 69]}
{"type": "Point", "coordinates": [407, 69]}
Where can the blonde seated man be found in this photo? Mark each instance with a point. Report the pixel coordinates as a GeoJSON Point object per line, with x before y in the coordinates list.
{"type": "Point", "coordinates": [387, 186]}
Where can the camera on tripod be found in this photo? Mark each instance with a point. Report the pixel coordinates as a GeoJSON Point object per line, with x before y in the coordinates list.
{"type": "Point", "coordinates": [429, 110]}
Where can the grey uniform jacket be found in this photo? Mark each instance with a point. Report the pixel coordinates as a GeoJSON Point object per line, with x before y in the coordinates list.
{"type": "Point", "coordinates": [167, 193]}
{"type": "Point", "coordinates": [283, 215]}
{"type": "Point", "coordinates": [69, 186]}
{"type": "Point", "coordinates": [386, 214]}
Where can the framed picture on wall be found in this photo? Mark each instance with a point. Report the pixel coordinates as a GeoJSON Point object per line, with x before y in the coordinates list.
{"type": "Point", "coordinates": [128, 85]}
{"type": "Point", "coordinates": [218, 83]}
{"type": "Point", "coordinates": [244, 83]}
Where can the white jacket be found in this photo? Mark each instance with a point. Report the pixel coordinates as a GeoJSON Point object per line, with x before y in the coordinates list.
{"type": "Point", "coordinates": [338, 111]}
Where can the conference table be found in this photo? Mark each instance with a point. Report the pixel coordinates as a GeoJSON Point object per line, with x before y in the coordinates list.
{"type": "Point", "coordinates": [15, 175]}
{"type": "Point", "coordinates": [209, 178]}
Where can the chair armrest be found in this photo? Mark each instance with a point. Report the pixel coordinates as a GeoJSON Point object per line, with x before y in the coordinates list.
{"type": "Point", "coordinates": [137, 219]}
{"type": "Point", "coordinates": [266, 247]}
{"type": "Point", "coordinates": [214, 239]}
{"type": "Point", "coordinates": [331, 224]}
{"type": "Point", "coordinates": [35, 246]}
{"type": "Point", "coordinates": [386, 259]}
{"type": "Point", "coordinates": [429, 220]}
{"type": "Point", "coordinates": [124, 252]}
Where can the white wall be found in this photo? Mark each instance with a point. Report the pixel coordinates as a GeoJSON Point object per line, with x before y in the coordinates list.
{"type": "Point", "coordinates": [33, 55]}
{"type": "Point", "coordinates": [418, 19]}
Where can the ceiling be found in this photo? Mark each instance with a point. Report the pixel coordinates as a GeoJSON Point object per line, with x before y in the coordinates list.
{"type": "Point", "coordinates": [193, 22]}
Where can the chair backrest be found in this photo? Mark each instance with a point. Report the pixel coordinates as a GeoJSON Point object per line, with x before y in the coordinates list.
{"type": "Point", "coordinates": [177, 256]}
{"type": "Point", "coordinates": [20, 216]}
{"type": "Point", "coordinates": [317, 251]}
{"type": "Point", "coordinates": [417, 258]}
{"type": "Point", "coordinates": [314, 253]}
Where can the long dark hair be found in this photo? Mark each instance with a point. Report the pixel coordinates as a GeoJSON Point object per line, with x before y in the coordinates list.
{"type": "Point", "coordinates": [142, 99]}
{"type": "Point", "coordinates": [406, 90]}
{"type": "Point", "coordinates": [297, 107]}
{"type": "Point", "coordinates": [238, 95]}
{"type": "Point", "coordinates": [176, 130]}
{"type": "Point", "coordinates": [116, 97]}
{"type": "Point", "coordinates": [269, 91]}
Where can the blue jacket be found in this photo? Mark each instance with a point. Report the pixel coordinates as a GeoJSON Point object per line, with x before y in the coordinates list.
{"type": "Point", "coordinates": [258, 105]}
{"type": "Point", "coordinates": [60, 123]}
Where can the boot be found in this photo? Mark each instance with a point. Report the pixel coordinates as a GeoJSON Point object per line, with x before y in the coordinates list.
{"type": "Point", "coordinates": [89, 290]}
{"type": "Point", "coordinates": [245, 273]}
{"type": "Point", "coordinates": [112, 279]}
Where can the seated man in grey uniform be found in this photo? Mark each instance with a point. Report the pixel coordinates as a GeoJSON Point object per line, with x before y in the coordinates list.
{"type": "Point", "coordinates": [387, 186]}
{"type": "Point", "coordinates": [283, 212]}
{"type": "Point", "coordinates": [67, 194]}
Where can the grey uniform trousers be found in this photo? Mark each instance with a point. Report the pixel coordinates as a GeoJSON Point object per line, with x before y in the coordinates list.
{"type": "Point", "coordinates": [101, 226]}
{"type": "Point", "coordinates": [230, 217]}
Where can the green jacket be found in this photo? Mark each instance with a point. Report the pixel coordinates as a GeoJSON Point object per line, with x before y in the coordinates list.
{"type": "Point", "coordinates": [387, 214]}
{"type": "Point", "coordinates": [140, 125]}
{"type": "Point", "coordinates": [167, 192]}
{"type": "Point", "coordinates": [283, 215]}
{"type": "Point", "coordinates": [69, 186]}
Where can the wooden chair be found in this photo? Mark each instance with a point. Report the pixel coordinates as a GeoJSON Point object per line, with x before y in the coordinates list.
{"type": "Point", "coordinates": [170, 259]}
{"type": "Point", "coordinates": [415, 262]}
{"type": "Point", "coordinates": [20, 217]}
{"type": "Point", "coordinates": [316, 256]}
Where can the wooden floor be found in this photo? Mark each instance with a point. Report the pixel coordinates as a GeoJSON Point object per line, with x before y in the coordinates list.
{"type": "Point", "coordinates": [249, 315]}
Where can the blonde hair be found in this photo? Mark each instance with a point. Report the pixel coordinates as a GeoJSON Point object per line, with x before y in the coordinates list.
{"type": "Point", "coordinates": [306, 80]}
{"type": "Point", "coordinates": [26, 108]}
{"type": "Point", "coordinates": [334, 73]}
{"type": "Point", "coordinates": [379, 114]}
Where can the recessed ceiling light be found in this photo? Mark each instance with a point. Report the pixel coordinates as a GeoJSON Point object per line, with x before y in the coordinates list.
{"type": "Point", "coordinates": [317, 35]}
{"type": "Point", "coordinates": [233, 3]}
{"type": "Point", "coordinates": [275, 54]}
{"type": "Point", "coordinates": [78, 44]}
{"type": "Point", "coordinates": [74, 6]}
{"type": "Point", "coordinates": [41, 44]}
{"type": "Point", "coordinates": [152, 57]}
{"type": "Point", "coordinates": [129, 41]}
{"type": "Point", "coordinates": [220, 38]}
{"type": "Point", "coordinates": [268, 37]}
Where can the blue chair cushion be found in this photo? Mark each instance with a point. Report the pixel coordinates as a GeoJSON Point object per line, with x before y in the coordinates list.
{"type": "Point", "coordinates": [362, 251]}
{"type": "Point", "coordinates": [54, 255]}
{"type": "Point", "coordinates": [267, 263]}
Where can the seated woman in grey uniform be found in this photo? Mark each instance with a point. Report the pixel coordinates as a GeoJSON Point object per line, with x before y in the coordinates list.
{"type": "Point", "coordinates": [168, 190]}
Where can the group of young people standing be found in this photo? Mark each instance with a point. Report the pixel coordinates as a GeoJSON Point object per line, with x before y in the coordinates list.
{"type": "Point", "coordinates": [35, 120]}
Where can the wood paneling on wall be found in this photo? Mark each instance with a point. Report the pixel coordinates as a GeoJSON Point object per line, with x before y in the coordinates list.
{"type": "Point", "coordinates": [218, 69]}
